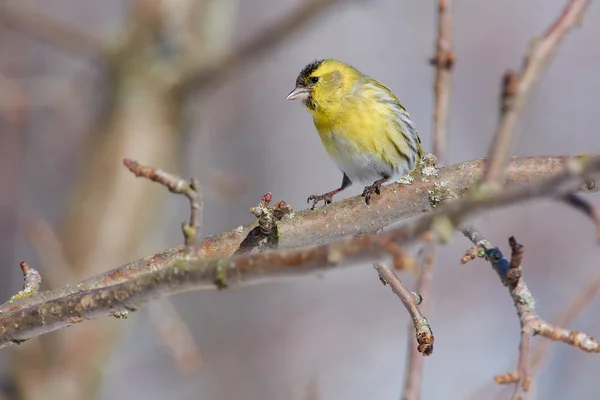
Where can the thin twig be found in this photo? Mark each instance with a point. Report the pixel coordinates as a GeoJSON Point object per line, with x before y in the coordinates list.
{"type": "Point", "coordinates": [178, 186]}
{"type": "Point", "coordinates": [485, 249]}
{"type": "Point", "coordinates": [523, 383]}
{"type": "Point", "coordinates": [471, 254]}
{"type": "Point", "coordinates": [423, 332]}
{"type": "Point", "coordinates": [31, 286]}
{"type": "Point", "coordinates": [532, 324]}
{"type": "Point", "coordinates": [130, 286]}
{"type": "Point", "coordinates": [414, 365]}
{"type": "Point", "coordinates": [524, 302]}
{"type": "Point", "coordinates": [33, 279]}
{"type": "Point", "coordinates": [443, 62]}
{"type": "Point", "coordinates": [565, 318]}
{"type": "Point", "coordinates": [539, 352]}
{"type": "Point", "coordinates": [518, 85]}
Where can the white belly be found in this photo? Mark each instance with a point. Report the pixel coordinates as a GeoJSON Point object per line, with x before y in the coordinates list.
{"type": "Point", "coordinates": [361, 167]}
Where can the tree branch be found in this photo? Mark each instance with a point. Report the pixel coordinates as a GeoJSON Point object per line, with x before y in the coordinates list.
{"type": "Point", "coordinates": [178, 186]}
{"type": "Point", "coordinates": [33, 280]}
{"type": "Point", "coordinates": [518, 85]}
{"type": "Point", "coordinates": [415, 362]}
{"type": "Point", "coordinates": [531, 323]}
{"type": "Point", "coordinates": [564, 319]}
{"type": "Point", "coordinates": [128, 287]}
{"type": "Point", "coordinates": [539, 351]}
{"type": "Point", "coordinates": [411, 300]}
{"type": "Point", "coordinates": [350, 216]}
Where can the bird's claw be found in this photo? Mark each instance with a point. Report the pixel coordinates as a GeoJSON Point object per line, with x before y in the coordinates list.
{"type": "Point", "coordinates": [375, 187]}
{"type": "Point", "coordinates": [316, 198]}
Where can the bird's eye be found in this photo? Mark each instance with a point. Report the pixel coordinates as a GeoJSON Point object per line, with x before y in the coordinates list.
{"type": "Point", "coordinates": [314, 79]}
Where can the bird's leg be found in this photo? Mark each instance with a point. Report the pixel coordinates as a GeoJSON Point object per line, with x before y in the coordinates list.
{"type": "Point", "coordinates": [328, 197]}
{"type": "Point", "coordinates": [375, 187]}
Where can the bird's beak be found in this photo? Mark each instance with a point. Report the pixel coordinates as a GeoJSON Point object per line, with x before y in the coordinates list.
{"type": "Point", "coordinates": [298, 94]}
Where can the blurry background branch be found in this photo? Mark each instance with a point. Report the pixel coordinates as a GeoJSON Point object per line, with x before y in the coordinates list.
{"type": "Point", "coordinates": [517, 86]}
{"type": "Point", "coordinates": [443, 61]}
{"type": "Point", "coordinates": [41, 26]}
{"type": "Point", "coordinates": [208, 71]}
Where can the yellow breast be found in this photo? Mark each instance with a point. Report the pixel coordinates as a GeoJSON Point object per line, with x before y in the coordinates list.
{"type": "Point", "coordinates": [367, 133]}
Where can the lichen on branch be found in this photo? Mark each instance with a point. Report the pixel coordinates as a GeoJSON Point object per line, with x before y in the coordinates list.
{"type": "Point", "coordinates": [128, 287]}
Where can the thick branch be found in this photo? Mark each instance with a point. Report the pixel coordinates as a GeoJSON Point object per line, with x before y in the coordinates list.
{"type": "Point", "coordinates": [518, 85]}
{"type": "Point", "coordinates": [127, 287]}
{"type": "Point", "coordinates": [351, 217]}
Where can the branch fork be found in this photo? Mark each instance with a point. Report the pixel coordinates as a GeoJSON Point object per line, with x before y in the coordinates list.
{"type": "Point", "coordinates": [176, 185]}
{"type": "Point", "coordinates": [532, 324]}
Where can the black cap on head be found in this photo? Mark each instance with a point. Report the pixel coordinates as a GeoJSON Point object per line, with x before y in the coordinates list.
{"type": "Point", "coordinates": [305, 73]}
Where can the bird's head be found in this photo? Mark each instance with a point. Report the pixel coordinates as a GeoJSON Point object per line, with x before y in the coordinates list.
{"type": "Point", "coordinates": [323, 85]}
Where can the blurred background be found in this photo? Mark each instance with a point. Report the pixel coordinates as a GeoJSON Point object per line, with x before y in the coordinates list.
{"type": "Point", "coordinates": [84, 84]}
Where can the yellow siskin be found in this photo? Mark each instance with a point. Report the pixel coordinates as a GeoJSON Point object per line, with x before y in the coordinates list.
{"type": "Point", "coordinates": [364, 128]}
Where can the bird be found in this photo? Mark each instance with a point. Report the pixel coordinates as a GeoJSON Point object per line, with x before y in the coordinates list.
{"type": "Point", "coordinates": [363, 127]}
